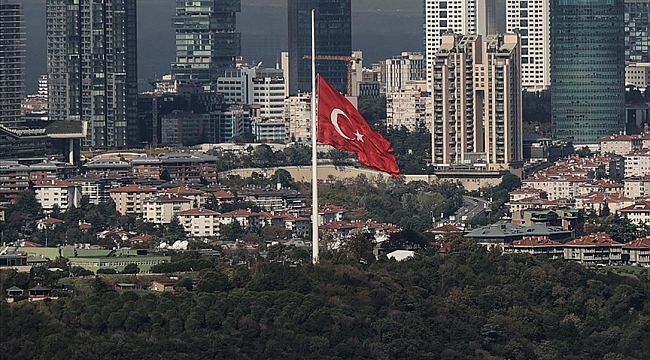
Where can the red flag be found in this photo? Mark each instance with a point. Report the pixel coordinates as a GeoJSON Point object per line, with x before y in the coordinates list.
{"type": "Point", "coordinates": [343, 127]}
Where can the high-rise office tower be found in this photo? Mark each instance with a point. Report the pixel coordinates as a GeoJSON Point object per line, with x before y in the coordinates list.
{"type": "Point", "coordinates": [461, 17]}
{"type": "Point", "coordinates": [477, 101]}
{"type": "Point", "coordinates": [206, 41]}
{"type": "Point", "coordinates": [587, 69]}
{"type": "Point", "coordinates": [12, 62]}
{"type": "Point", "coordinates": [333, 39]}
{"type": "Point", "coordinates": [637, 31]}
{"type": "Point", "coordinates": [530, 18]}
{"type": "Point", "coordinates": [92, 68]}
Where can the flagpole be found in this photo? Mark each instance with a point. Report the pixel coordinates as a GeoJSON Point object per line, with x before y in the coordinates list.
{"type": "Point", "coordinates": [314, 154]}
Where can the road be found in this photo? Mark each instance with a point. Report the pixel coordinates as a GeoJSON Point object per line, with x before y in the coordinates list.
{"type": "Point", "coordinates": [472, 207]}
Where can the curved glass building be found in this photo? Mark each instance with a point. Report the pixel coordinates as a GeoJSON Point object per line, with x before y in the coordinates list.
{"type": "Point", "coordinates": [587, 69]}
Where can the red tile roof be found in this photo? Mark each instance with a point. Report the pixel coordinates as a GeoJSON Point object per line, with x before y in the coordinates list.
{"type": "Point", "coordinates": [446, 228]}
{"type": "Point", "coordinates": [51, 221]}
{"type": "Point", "coordinates": [182, 191]}
{"type": "Point", "coordinates": [597, 239]}
{"type": "Point", "coordinates": [639, 243]}
{"type": "Point", "coordinates": [200, 211]}
{"type": "Point", "coordinates": [239, 213]}
{"type": "Point", "coordinates": [528, 241]}
{"type": "Point", "coordinates": [222, 194]}
{"type": "Point", "coordinates": [643, 206]}
{"type": "Point", "coordinates": [133, 189]}
{"type": "Point", "coordinates": [54, 183]}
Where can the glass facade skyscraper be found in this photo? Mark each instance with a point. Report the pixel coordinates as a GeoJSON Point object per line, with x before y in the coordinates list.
{"type": "Point", "coordinates": [637, 30]}
{"type": "Point", "coordinates": [12, 62]}
{"type": "Point", "coordinates": [92, 68]}
{"type": "Point", "coordinates": [333, 38]}
{"type": "Point", "coordinates": [206, 41]}
{"type": "Point", "coordinates": [587, 69]}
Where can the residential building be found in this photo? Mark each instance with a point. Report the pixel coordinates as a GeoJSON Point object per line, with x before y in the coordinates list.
{"type": "Point", "coordinates": [161, 209]}
{"type": "Point", "coordinates": [637, 252]}
{"type": "Point", "coordinates": [297, 116]}
{"type": "Point", "coordinates": [401, 72]}
{"type": "Point", "coordinates": [477, 109]}
{"type": "Point", "coordinates": [409, 108]}
{"type": "Point", "coordinates": [200, 222]}
{"type": "Point", "coordinates": [299, 226]}
{"type": "Point", "coordinates": [130, 199]}
{"type": "Point", "coordinates": [637, 33]}
{"type": "Point", "coordinates": [593, 249]}
{"type": "Point", "coordinates": [636, 187]}
{"type": "Point", "coordinates": [12, 62]}
{"type": "Point", "coordinates": [57, 193]}
{"type": "Point", "coordinates": [245, 218]}
{"type": "Point", "coordinates": [587, 92]}
{"type": "Point", "coordinates": [530, 19]}
{"type": "Point", "coordinates": [637, 74]}
{"type": "Point", "coordinates": [207, 42]}
{"type": "Point", "coordinates": [638, 213]}
{"type": "Point", "coordinates": [637, 163]}
{"type": "Point", "coordinates": [196, 196]}
{"type": "Point", "coordinates": [461, 17]}
{"type": "Point", "coordinates": [107, 167]}
{"type": "Point", "coordinates": [42, 87]}
{"type": "Point", "coordinates": [333, 39]}
{"type": "Point", "coordinates": [536, 245]}
{"type": "Point", "coordinates": [620, 144]}
{"type": "Point", "coordinates": [501, 234]}
{"type": "Point", "coordinates": [14, 179]}
{"type": "Point", "coordinates": [96, 189]}
{"type": "Point", "coordinates": [92, 69]}
{"type": "Point", "coordinates": [177, 167]}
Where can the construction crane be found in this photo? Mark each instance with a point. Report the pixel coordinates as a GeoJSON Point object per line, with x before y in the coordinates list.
{"type": "Point", "coordinates": [349, 60]}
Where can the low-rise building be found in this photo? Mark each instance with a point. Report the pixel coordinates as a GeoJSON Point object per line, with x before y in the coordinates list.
{"type": "Point", "coordinates": [200, 222]}
{"type": "Point", "coordinates": [637, 163]}
{"type": "Point", "coordinates": [638, 213]}
{"type": "Point", "coordinates": [245, 218]}
{"type": "Point", "coordinates": [58, 193]}
{"type": "Point", "coordinates": [161, 209]}
{"type": "Point", "coordinates": [637, 186]}
{"type": "Point", "coordinates": [594, 249]}
{"type": "Point", "coordinates": [131, 199]}
{"type": "Point", "coordinates": [536, 245]}
{"type": "Point", "coordinates": [637, 252]}
{"type": "Point", "coordinates": [620, 144]}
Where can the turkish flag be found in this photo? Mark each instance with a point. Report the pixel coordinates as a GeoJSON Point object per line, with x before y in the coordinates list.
{"type": "Point", "coordinates": [343, 127]}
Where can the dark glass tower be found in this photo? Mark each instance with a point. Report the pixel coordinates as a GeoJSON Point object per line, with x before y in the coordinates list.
{"type": "Point", "coordinates": [206, 40]}
{"type": "Point", "coordinates": [587, 69]}
{"type": "Point", "coordinates": [12, 62]}
{"type": "Point", "coordinates": [637, 30]}
{"type": "Point", "coordinates": [333, 38]}
{"type": "Point", "coordinates": [92, 68]}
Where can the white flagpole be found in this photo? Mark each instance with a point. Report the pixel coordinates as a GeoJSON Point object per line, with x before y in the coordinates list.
{"type": "Point", "coordinates": [314, 154]}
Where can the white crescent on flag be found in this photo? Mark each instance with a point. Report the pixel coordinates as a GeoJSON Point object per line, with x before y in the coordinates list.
{"type": "Point", "coordinates": [334, 116]}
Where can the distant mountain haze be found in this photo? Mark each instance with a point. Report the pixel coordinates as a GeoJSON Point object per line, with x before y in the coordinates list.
{"type": "Point", "coordinates": [381, 28]}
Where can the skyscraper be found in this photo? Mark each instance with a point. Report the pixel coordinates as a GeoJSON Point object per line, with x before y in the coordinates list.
{"type": "Point", "coordinates": [12, 62]}
{"type": "Point", "coordinates": [460, 17]}
{"type": "Point", "coordinates": [92, 68]}
{"type": "Point", "coordinates": [206, 41]}
{"type": "Point", "coordinates": [637, 31]}
{"type": "Point", "coordinates": [333, 38]}
{"type": "Point", "coordinates": [477, 101]}
{"type": "Point", "coordinates": [587, 69]}
{"type": "Point", "coordinates": [529, 18]}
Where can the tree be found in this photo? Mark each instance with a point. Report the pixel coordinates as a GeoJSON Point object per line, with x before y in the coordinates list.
{"type": "Point", "coordinates": [174, 230]}
{"type": "Point", "coordinates": [510, 182]}
{"type": "Point", "coordinates": [131, 268]}
{"type": "Point", "coordinates": [619, 228]}
{"type": "Point", "coordinates": [584, 152]}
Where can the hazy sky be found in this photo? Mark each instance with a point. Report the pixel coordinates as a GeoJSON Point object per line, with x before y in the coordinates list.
{"type": "Point", "coordinates": [381, 28]}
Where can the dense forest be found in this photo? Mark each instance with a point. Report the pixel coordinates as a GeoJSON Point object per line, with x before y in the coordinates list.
{"type": "Point", "coordinates": [469, 304]}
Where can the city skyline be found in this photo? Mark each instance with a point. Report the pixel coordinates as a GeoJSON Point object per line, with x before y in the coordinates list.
{"type": "Point", "coordinates": [263, 25]}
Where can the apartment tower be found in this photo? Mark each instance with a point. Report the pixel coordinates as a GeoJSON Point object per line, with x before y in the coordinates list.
{"type": "Point", "coordinates": [477, 101]}
{"type": "Point", "coordinates": [12, 62]}
{"type": "Point", "coordinates": [92, 69]}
